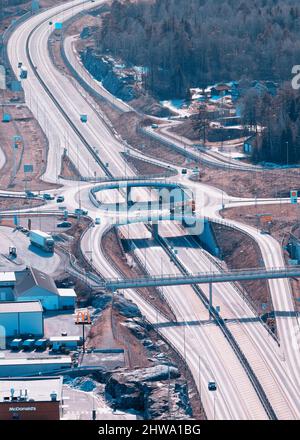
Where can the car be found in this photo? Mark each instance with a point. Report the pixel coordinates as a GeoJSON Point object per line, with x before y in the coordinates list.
{"type": "Point", "coordinates": [28, 344]}
{"type": "Point", "coordinates": [64, 225]}
{"type": "Point", "coordinates": [97, 221]}
{"type": "Point", "coordinates": [30, 194]}
{"type": "Point", "coordinates": [41, 344]}
{"type": "Point", "coordinates": [48, 197]}
{"type": "Point", "coordinates": [212, 386]}
{"type": "Point", "coordinates": [184, 171]}
{"type": "Point", "coordinates": [79, 211]}
{"type": "Point", "coordinates": [25, 230]}
{"type": "Point", "coordinates": [60, 199]}
{"type": "Point", "coordinates": [16, 344]}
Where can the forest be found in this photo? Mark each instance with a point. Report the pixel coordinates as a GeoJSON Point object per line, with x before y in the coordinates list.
{"type": "Point", "coordinates": [198, 42]}
{"type": "Point", "coordinates": [276, 120]}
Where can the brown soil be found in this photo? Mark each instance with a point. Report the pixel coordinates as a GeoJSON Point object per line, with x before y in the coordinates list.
{"type": "Point", "coordinates": [109, 332]}
{"type": "Point", "coordinates": [13, 203]}
{"type": "Point", "coordinates": [284, 217]}
{"type": "Point", "coordinates": [269, 183]}
{"type": "Point", "coordinates": [115, 253]}
{"type": "Point", "coordinates": [68, 169]}
{"type": "Point", "coordinates": [239, 252]}
{"type": "Point", "coordinates": [32, 151]}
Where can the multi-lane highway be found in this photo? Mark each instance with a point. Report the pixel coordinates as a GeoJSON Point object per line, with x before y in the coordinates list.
{"type": "Point", "coordinates": [95, 149]}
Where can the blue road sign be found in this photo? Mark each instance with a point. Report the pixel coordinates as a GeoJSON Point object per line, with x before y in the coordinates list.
{"type": "Point", "coordinates": [28, 168]}
{"type": "Point", "coordinates": [58, 26]}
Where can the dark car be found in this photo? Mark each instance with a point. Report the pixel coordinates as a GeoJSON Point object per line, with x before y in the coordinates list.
{"type": "Point", "coordinates": [212, 386]}
{"type": "Point", "coordinates": [64, 225]}
{"type": "Point", "coordinates": [48, 197]}
{"type": "Point", "coordinates": [60, 199]}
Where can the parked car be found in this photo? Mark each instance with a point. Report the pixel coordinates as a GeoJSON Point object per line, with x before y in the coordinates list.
{"type": "Point", "coordinates": [41, 344]}
{"type": "Point", "coordinates": [64, 225]}
{"type": "Point", "coordinates": [60, 199]}
{"type": "Point", "coordinates": [28, 344]}
{"type": "Point", "coordinates": [16, 344]}
{"type": "Point", "coordinates": [184, 171]}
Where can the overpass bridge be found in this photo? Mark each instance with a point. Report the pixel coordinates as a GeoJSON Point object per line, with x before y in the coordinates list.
{"type": "Point", "coordinates": [169, 192]}
{"type": "Point", "coordinates": [203, 278]}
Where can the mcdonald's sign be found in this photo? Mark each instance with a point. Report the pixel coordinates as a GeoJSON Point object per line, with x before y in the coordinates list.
{"type": "Point", "coordinates": [83, 317]}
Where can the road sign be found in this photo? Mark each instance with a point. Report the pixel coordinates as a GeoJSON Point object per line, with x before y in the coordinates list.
{"type": "Point", "coordinates": [28, 168]}
{"type": "Point", "coordinates": [294, 197]}
{"type": "Point", "coordinates": [17, 142]}
{"type": "Point", "coordinates": [267, 219]}
{"type": "Point", "coordinates": [58, 26]}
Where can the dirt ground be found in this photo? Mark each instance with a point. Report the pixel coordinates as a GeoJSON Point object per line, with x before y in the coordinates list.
{"type": "Point", "coordinates": [32, 150]}
{"type": "Point", "coordinates": [239, 252]}
{"type": "Point", "coordinates": [68, 169]}
{"type": "Point", "coordinates": [109, 332]}
{"type": "Point", "coordinates": [269, 183]}
{"type": "Point", "coordinates": [13, 203]}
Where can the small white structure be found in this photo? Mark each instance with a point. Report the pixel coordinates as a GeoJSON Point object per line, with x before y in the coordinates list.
{"type": "Point", "coordinates": [7, 283]}
{"type": "Point", "coordinates": [33, 367]}
{"type": "Point", "coordinates": [67, 298]}
{"type": "Point", "coordinates": [22, 318]}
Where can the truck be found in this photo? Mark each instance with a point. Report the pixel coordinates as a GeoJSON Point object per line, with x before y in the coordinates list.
{"type": "Point", "coordinates": [42, 240]}
{"type": "Point", "coordinates": [79, 211]}
{"type": "Point", "coordinates": [187, 207]}
{"type": "Point", "coordinates": [23, 72]}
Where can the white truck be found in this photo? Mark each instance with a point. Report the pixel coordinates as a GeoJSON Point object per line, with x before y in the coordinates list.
{"type": "Point", "coordinates": [42, 240]}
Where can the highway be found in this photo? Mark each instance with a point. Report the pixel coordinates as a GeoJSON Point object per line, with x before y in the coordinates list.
{"type": "Point", "coordinates": [207, 350]}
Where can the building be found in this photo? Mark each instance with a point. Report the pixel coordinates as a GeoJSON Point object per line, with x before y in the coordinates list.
{"type": "Point", "coordinates": [22, 367]}
{"type": "Point", "coordinates": [34, 398]}
{"type": "Point", "coordinates": [7, 284]}
{"type": "Point", "coordinates": [67, 298]}
{"type": "Point", "coordinates": [221, 90]}
{"type": "Point", "coordinates": [22, 318]}
{"type": "Point", "coordinates": [33, 285]}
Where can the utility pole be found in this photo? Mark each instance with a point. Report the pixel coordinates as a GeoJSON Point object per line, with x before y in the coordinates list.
{"type": "Point", "coordinates": [210, 301]}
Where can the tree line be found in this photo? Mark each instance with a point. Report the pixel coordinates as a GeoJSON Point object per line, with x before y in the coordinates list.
{"type": "Point", "coordinates": [276, 122]}
{"type": "Point", "coordinates": [193, 43]}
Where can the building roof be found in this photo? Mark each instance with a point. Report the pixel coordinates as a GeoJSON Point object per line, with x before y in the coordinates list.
{"type": "Point", "coordinates": [35, 278]}
{"type": "Point", "coordinates": [20, 306]}
{"type": "Point", "coordinates": [35, 361]}
{"type": "Point", "coordinates": [7, 277]}
{"type": "Point", "coordinates": [222, 87]}
{"type": "Point", "coordinates": [67, 292]}
{"type": "Point", "coordinates": [39, 389]}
